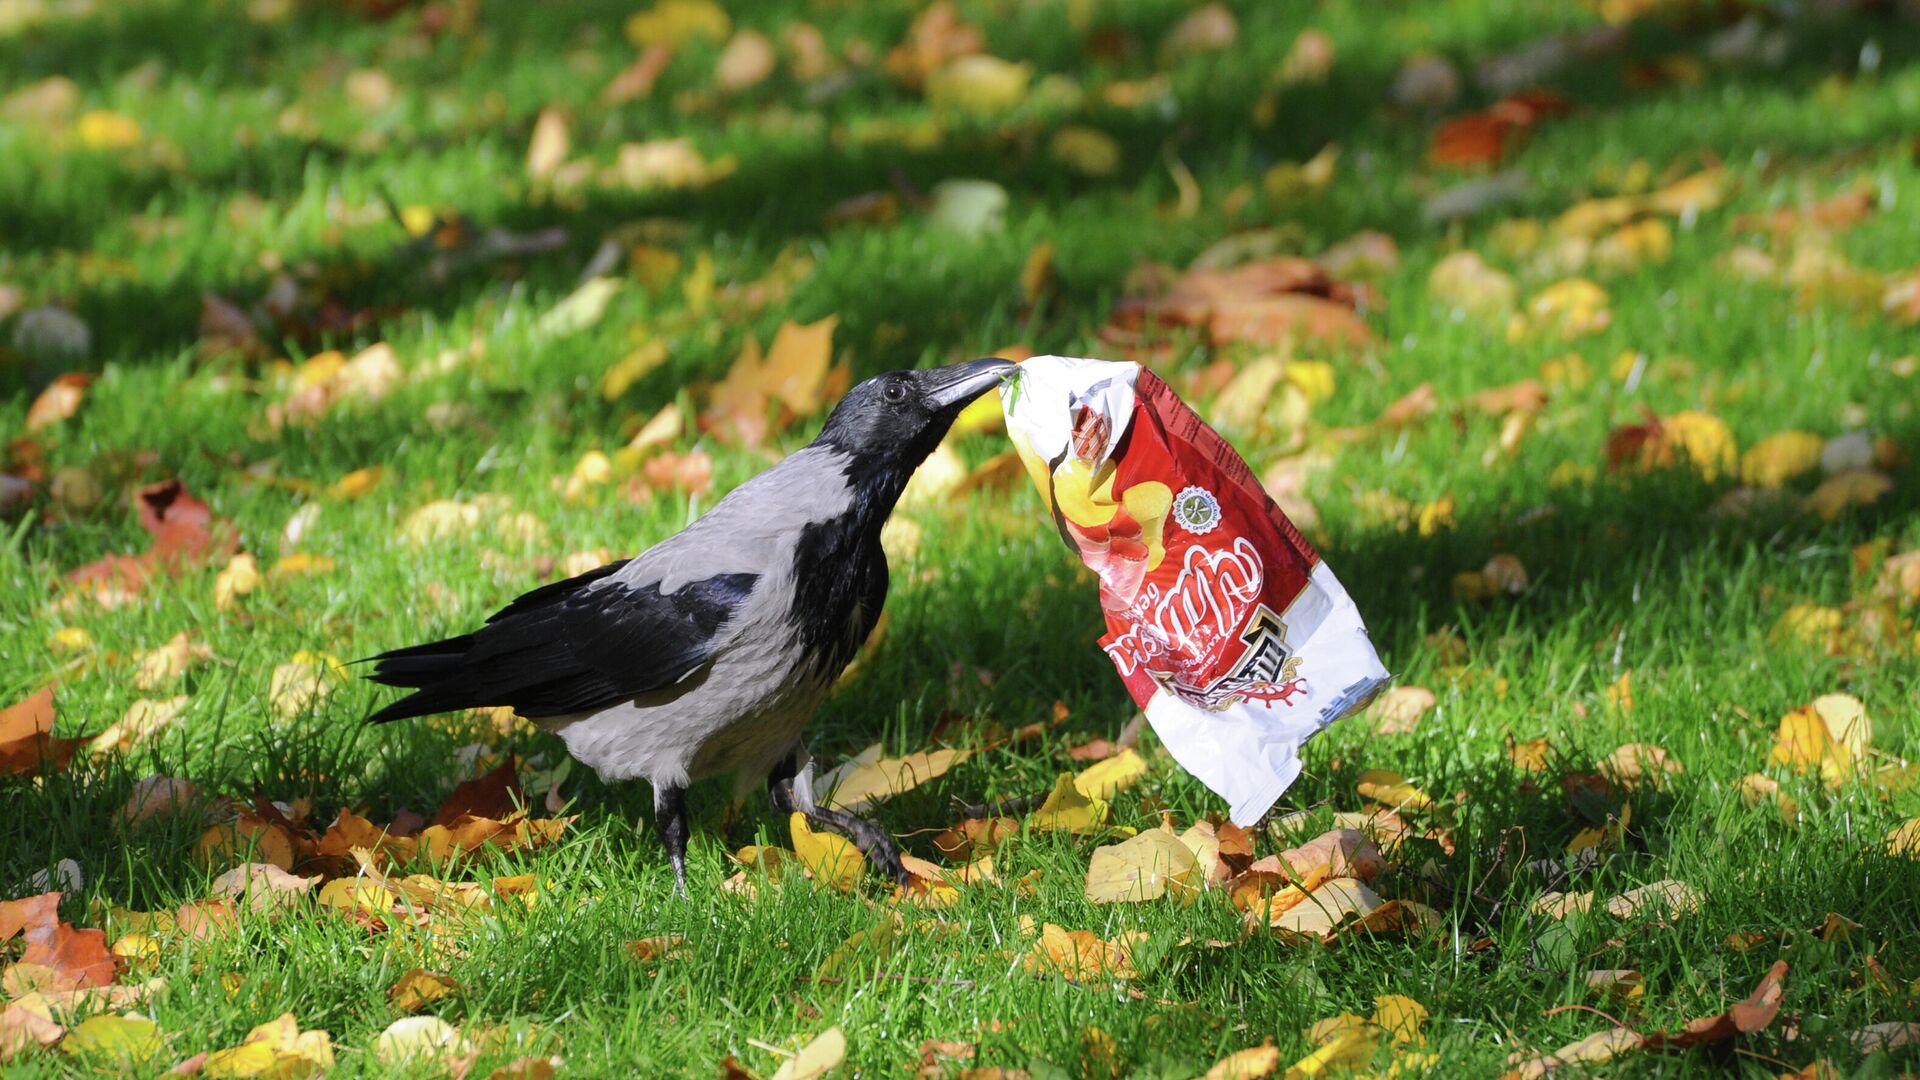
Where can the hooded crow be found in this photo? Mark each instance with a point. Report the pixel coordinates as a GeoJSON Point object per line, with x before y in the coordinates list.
{"type": "Point", "coordinates": [707, 653]}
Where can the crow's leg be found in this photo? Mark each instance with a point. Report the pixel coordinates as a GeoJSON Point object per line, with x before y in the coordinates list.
{"type": "Point", "coordinates": [670, 816]}
{"type": "Point", "coordinates": [790, 788]}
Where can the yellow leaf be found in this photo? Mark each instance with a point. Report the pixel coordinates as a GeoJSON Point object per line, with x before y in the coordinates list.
{"type": "Point", "coordinates": [304, 682]}
{"type": "Point", "coordinates": [1575, 307]}
{"type": "Point", "coordinates": [142, 721]}
{"type": "Point", "coordinates": [1146, 867]}
{"type": "Point", "coordinates": [157, 667]}
{"type": "Point", "coordinates": [1464, 282]}
{"type": "Point", "coordinates": [1758, 788]}
{"type": "Point", "coordinates": [1249, 1064]}
{"type": "Point", "coordinates": [815, 1060]}
{"type": "Point", "coordinates": [1313, 377]}
{"type": "Point", "coordinates": [1082, 955]}
{"type": "Point", "coordinates": [357, 894]}
{"type": "Point", "coordinates": [1391, 790]}
{"type": "Point", "coordinates": [833, 860]}
{"type": "Point", "coordinates": [869, 778]}
{"type": "Point", "coordinates": [1617, 982]}
{"type": "Point", "coordinates": [99, 129]}
{"type": "Point", "coordinates": [798, 363]}
{"type": "Point", "coordinates": [240, 577]}
{"type": "Point", "coordinates": [979, 84]}
{"type": "Point", "coordinates": [419, 988]}
{"type": "Point", "coordinates": [1904, 841]}
{"type": "Point", "coordinates": [1084, 150]}
{"type": "Point", "coordinates": [1781, 457]}
{"type": "Point", "coordinates": [1344, 1051]}
{"type": "Point", "coordinates": [129, 1040]}
{"type": "Point", "coordinates": [653, 948]}
{"type": "Point", "coordinates": [1402, 1018]}
{"type": "Point", "coordinates": [1107, 778]}
{"type": "Point", "coordinates": [547, 148]}
{"type": "Point", "coordinates": [1846, 721]}
{"type": "Point", "coordinates": [579, 309]}
{"type": "Point", "coordinates": [1855, 487]}
{"type": "Point", "coordinates": [278, 1049]}
{"type": "Point", "coordinates": [631, 368]}
{"type": "Point", "coordinates": [1068, 809]}
{"type": "Point", "coordinates": [676, 22]}
{"type": "Point", "coordinates": [357, 484]}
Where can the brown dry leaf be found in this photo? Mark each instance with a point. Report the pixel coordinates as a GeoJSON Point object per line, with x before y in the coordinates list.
{"type": "Point", "coordinates": [1743, 1018]}
{"type": "Point", "coordinates": [27, 742]}
{"type": "Point", "coordinates": [419, 988]}
{"type": "Point", "coordinates": [143, 720]}
{"type": "Point", "coordinates": [1206, 29]}
{"type": "Point", "coordinates": [1617, 982]}
{"type": "Point", "coordinates": [155, 668]}
{"type": "Point", "coordinates": [1391, 790]}
{"type": "Point", "coordinates": [635, 81]}
{"type": "Point", "coordinates": [1082, 955]}
{"type": "Point", "coordinates": [1667, 897]}
{"type": "Point", "coordinates": [497, 794]}
{"type": "Point", "coordinates": [938, 35]}
{"type": "Point", "coordinates": [1342, 905]}
{"type": "Point", "coordinates": [24, 1024]}
{"type": "Point", "coordinates": [794, 373]}
{"type": "Point", "coordinates": [1408, 409]}
{"type": "Point", "coordinates": [867, 778]}
{"type": "Point", "coordinates": [350, 831]}
{"type": "Point", "coordinates": [691, 472]}
{"type": "Point", "coordinates": [1595, 1049]}
{"type": "Point", "coordinates": [747, 61]}
{"type": "Point", "coordinates": [263, 886]}
{"type": "Point", "coordinates": [975, 836]}
{"type": "Point", "coordinates": [1636, 765]}
{"type": "Point", "coordinates": [1249, 1064]}
{"type": "Point", "coordinates": [1872, 1039]}
{"type": "Point", "coordinates": [36, 916]}
{"type": "Point", "coordinates": [1841, 491]}
{"type": "Point", "coordinates": [60, 400]}
{"type": "Point", "coordinates": [1335, 853]}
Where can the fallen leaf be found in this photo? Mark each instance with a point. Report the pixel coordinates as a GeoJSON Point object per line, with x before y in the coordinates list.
{"type": "Point", "coordinates": [1206, 29]}
{"type": "Point", "coordinates": [1068, 809]}
{"type": "Point", "coordinates": [868, 778]}
{"type": "Point", "coordinates": [979, 84]}
{"type": "Point", "coordinates": [60, 400]}
{"type": "Point", "coordinates": [263, 886]}
{"type": "Point", "coordinates": [1595, 1049]}
{"type": "Point", "coordinates": [1082, 955]}
{"type": "Point", "coordinates": [184, 534]}
{"type": "Point", "coordinates": [547, 147]}
{"type": "Point", "coordinates": [1249, 1064]}
{"type": "Point", "coordinates": [1667, 897]}
{"type": "Point", "coordinates": [832, 860]}
{"type": "Point", "coordinates": [1884, 1036]}
{"type": "Point", "coordinates": [1855, 487]}
{"type": "Point", "coordinates": [79, 957]}
{"type": "Point", "coordinates": [1398, 711]}
{"type": "Point", "coordinates": [1464, 283]}
{"type": "Point", "coordinates": [653, 948]}
{"type": "Point", "coordinates": [747, 61]}
{"type": "Point", "coordinates": [1636, 765]}
{"type": "Point", "coordinates": [676, 22]}
{"type": "Point", "coordinates": [1743, 1018]}
{"type": "Point", "coordinates": [1145, 867]}
{"type": "Point", "coordinates": [818, 1058]}
{"type": "Point", "coordinates": [1107, 778]}
{"type": "Point", "coordinates": [635, 81]}
{"type": "Point", "coordinates": [937, 36]}
{"type": "Point", "coordinates": [129, 1041]}
{"type": "Point", "coordinates": [417, 1039]}
{"type": "Point", "coordinates": [23, 1026]}
{"type": "Point", "coordinates": [27, 742]}
{"type": "Point", "coordinates": [1781, 458]}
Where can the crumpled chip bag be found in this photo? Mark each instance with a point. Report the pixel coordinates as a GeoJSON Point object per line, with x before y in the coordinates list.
{"type": "Point", "coordinates": [1231, 634]}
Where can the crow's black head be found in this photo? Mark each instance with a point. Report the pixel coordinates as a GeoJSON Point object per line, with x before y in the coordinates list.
{"type": "Point", "coordinates": [893, 421]}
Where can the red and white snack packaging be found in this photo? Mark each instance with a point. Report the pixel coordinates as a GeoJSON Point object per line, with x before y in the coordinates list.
{"type": "Point", "coordinates": [1231, 634]}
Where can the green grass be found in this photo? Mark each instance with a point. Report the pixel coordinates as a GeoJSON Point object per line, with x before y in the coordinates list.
{"type": "Point", "coordinates": [1629, 572]}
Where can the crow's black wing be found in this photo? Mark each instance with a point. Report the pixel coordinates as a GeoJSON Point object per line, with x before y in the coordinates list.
{"type": "Point", "coordinates": [573, 646]}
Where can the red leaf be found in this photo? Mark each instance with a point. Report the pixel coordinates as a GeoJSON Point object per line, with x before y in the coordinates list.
{"type": "Point", "coordinates": [495, 796]}
{"type": "Point", "coordinates": [79, 954]}
{"type": "Point", "coordinates": [1744, 1018]}
{"type": "Point", "coordinates": [26, 737]}
{"type": "Point", "coordinates": [185, 534]}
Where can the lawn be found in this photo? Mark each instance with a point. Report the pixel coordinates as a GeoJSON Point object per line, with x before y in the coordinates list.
{"type": "Point", "coordinates": [1603, 414]}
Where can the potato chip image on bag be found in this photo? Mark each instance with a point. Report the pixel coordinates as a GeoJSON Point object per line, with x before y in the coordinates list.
{"type": "Point", "coordinates": [1228, 630]}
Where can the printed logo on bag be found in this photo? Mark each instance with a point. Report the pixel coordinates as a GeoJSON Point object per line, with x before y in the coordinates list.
{"type": "Point", "coordinates": [1197, 510]}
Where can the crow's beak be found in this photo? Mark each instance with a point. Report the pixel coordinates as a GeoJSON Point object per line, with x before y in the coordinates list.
{"type": "Point", "coordinates": [953, 386]}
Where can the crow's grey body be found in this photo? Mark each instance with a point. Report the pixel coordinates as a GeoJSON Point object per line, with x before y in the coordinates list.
{"type": "Point", "coordinates": [708, 652]}
{"type": "Point", "coordinates": [743, 710]}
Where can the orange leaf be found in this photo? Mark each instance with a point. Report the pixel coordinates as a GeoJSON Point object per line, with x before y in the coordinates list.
{"type": "Point", "coordinates": [495, 795]}
{"type": "Point", "coordinates": [26, 736]}
{"type": "Point", "coordinates": [185, 534]}
{"type": "Point", "coordinates": [58, 401]}
{"type": "Point", "coordinates": [81, 955]}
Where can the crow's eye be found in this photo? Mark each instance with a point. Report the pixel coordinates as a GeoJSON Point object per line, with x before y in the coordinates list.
{"type": "Point", "coordinates": [895, 393]}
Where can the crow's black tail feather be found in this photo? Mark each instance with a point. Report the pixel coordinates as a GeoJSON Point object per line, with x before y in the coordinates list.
{"type": "Point", "coordinates": [420, 665]}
